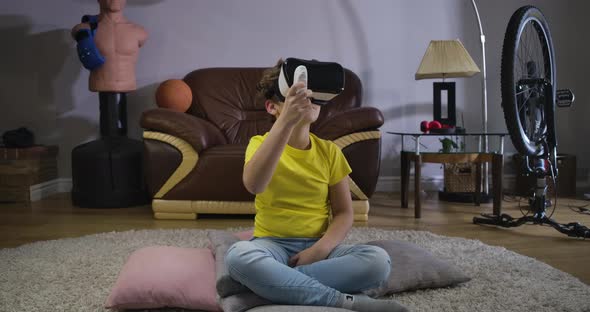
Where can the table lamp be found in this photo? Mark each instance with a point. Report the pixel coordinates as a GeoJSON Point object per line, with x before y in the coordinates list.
{"type": "Point", "coordinates": [445, 59]}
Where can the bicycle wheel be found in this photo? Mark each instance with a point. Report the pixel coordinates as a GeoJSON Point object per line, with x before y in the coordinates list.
{"type": "Point", "coordinates": [528, 69]}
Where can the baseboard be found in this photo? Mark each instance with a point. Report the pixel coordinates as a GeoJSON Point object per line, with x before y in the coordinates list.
{"type": "Point", "coordinates": [430, 183]}
{"type": "Point", "coordinates": [45, 189]}
{"type": "Point", "coordinates": [394, 183]}
{"type": "Point", "coordinates": [384, 184]}
{"type": "Point", "coordinates": [435, 183]}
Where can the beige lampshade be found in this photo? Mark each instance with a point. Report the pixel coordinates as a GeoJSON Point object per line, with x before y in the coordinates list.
{"type": "Point", "coordinates": [446, 59]}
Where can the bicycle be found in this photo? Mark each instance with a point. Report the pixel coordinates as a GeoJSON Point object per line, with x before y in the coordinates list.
{"type": "Point", "coordinates": [529, 97]}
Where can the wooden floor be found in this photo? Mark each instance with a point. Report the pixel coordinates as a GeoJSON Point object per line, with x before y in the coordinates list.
{"type": "Point", "coordinates": [55, 218]}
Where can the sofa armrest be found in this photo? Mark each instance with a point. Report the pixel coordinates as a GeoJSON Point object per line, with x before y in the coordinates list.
{"type": "Point", "coordinates": [350, 121]}
{"type": "Point", "coordinates": [199, 133]}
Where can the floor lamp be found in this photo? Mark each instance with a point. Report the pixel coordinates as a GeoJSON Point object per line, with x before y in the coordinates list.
{"type": "Point", "coordinates": [484, 95]}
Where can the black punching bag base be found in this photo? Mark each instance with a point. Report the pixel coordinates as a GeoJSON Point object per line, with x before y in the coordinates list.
{"type": "Point", "coordinates": [108, 173]}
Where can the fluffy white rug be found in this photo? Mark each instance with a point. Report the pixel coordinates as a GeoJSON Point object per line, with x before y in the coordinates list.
{"type": "Point", "coordinates": [77, 274]}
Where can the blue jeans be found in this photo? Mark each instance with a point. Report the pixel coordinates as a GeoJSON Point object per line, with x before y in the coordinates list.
{"type": "Point", "coordinates": [261, 265]}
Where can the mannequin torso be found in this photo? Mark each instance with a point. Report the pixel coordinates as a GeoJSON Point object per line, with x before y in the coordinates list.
{"type": "Point", "coordinates": [119, 41]}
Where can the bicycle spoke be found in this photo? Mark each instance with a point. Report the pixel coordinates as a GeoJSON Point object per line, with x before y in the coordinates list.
{"type": "Point", "coordinates": [524, 102]}
{"type": "Point", "coordinates": [527, 44]}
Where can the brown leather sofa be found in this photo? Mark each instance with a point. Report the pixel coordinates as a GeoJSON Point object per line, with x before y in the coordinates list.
{"type": "Point", "coordinates": [194, 160]}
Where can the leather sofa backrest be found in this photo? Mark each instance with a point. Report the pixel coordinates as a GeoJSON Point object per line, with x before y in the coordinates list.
{"type": "Point", "coordinates": [227, 98]}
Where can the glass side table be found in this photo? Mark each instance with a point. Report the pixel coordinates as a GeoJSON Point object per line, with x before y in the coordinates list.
{"type": "Point", "coordinates": [465, 148]}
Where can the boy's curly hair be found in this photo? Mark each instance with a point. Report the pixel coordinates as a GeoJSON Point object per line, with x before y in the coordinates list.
{"type": "Point", "coordinates": [266, 87]}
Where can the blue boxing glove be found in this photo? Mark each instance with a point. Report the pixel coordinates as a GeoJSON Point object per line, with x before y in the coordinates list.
{"type": "Point", "coordinates": [92, 19]}
{"type": "Point", "coordinates": [87, 51]}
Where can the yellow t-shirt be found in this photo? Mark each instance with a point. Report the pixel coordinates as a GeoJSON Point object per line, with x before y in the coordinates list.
{"type": "Point", "coordinates": [296, 201]}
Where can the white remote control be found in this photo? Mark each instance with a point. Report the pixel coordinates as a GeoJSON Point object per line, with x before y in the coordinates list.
{"type": "Point", "coordinates": [300, 75]}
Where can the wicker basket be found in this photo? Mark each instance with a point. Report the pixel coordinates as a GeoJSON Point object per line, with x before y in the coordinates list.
{"type": "Point", "coordinates": [23, 168]}
{"type": "Point", "coordinates": [460, 178]}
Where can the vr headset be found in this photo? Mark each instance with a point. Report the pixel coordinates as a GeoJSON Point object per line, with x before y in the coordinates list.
{"type": "Point", "coordinates": [325, 79]}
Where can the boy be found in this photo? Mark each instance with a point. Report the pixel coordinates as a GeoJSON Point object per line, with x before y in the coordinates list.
{"type": "Point", "coordinates": [295, 256]}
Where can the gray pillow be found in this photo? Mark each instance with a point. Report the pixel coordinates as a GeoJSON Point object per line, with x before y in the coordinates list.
{"type": "Point", "coordinates": [290, 308]}
{"type": "Point", "coordinates": [220, 243]}
{"type": "Point", "coordinates": [242, 302]}
{"type": "Point", "coordinates": [412, 267]}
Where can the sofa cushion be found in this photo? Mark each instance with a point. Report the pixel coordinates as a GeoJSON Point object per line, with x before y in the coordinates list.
{"type": "Point", "coordinates": [204, 182]}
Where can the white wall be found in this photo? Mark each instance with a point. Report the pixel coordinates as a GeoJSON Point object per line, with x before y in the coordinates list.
{"type": "Point", "coordinates": [43, 86]}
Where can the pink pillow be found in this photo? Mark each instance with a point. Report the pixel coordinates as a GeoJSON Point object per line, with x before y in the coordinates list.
{"type": "Point", "coordinates": [164, 276]}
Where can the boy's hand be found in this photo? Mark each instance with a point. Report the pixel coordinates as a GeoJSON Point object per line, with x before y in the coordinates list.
{"type": "Point", "coordinates": [309, 256]}
{"type": "Point", "coordinates": [297, 105]}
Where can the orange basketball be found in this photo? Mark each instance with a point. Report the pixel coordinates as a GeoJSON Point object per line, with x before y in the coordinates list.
{"type": "Point", "coordinates": [174, 94]}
